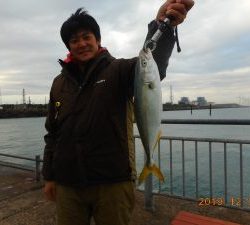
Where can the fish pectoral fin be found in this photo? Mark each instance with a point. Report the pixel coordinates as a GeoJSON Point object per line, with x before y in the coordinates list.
{"type": "Point", "coordinates": [158, 137]}
{"type": "Point", "coordinates": [151, 85]}
{"type": "Point", "coordinates": [153, 169]}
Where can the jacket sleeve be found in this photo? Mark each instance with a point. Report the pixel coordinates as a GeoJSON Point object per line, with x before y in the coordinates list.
{"type": "Point", "coordinates": [50, 141]}
{"type": "Point", "coordinates": [164, 47]}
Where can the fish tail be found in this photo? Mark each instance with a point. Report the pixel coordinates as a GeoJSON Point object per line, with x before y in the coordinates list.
{"type": "Point", "coordinates": [152, 169]}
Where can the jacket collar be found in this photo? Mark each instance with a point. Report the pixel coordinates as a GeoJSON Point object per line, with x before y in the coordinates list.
{"type": "Point", "coordinates": [71, 69]}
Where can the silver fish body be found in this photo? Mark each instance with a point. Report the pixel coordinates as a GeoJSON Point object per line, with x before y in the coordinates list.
{"type": "Point", "coordinates": [148, 108]}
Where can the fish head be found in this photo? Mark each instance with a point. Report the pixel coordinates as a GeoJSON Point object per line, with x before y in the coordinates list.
{"type": "Point", "coordinates": [147, 66]}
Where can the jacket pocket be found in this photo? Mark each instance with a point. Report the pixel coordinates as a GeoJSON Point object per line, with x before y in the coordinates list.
{"type": "Point", "coordinates": [68, 163]}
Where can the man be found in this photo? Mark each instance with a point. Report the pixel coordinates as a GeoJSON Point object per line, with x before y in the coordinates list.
{"type": "Point", "coordinates": [89, 164]}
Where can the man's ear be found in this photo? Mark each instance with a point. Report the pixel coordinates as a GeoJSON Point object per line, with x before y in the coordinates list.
{"type": "Point", "coordinates": [99, 43]}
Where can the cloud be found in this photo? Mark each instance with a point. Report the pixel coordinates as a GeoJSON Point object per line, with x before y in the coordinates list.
{"type": "Point", "coordinates": [224, 86]}
{"type": "Point", "coordinates": [215, 40]}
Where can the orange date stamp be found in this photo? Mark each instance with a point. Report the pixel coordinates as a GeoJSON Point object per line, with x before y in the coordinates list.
{"type": "Point", "coordinates": [218, 201]}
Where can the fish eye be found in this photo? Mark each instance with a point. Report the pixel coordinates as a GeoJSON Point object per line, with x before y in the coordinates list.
{"type": "Point", "coordinates": [144, 63]}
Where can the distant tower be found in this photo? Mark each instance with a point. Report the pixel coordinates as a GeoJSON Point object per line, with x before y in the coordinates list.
{"type": "Point", "coordinates": [1, 97]}
{"type": "Point", "coordinates": [240, 100]}
{"type": "Point", "coordinates": [24, 97]}
{"type": "Point", "coordinates": [29, 101]}
{"type": "Point", "coordinates": [171, 95]}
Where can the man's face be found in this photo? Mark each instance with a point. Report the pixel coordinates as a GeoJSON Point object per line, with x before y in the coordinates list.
{"type": "Point", "coordinates": [83, 46]}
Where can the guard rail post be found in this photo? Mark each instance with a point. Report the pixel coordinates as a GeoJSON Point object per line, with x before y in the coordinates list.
{"type": "Point", "coordinates": [38, 172]}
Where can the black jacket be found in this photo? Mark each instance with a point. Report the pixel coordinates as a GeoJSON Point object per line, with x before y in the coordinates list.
{"type": "Point", "coordinates": [90, 124]}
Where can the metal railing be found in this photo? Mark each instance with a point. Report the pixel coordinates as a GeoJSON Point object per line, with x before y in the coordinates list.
{"type": "Point", "coordinates": [225, 199]}
{"type": "Point", "coordinates": [207, 122]}
{"type": "Point", "coordinates": [36, 168]}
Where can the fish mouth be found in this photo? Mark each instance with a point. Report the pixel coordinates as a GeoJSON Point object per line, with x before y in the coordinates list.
{"type": "Point", "coordinates": [146, 54]}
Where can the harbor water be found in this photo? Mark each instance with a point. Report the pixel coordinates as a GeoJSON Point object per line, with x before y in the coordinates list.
{"type": "Point", "coordinates": [24, 137]}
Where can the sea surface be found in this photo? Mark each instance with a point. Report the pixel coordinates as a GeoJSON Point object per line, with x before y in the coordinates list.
{"type": "Point", "coordinates": [24, 137]}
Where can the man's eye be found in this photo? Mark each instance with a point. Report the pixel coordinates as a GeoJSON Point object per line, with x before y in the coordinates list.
{"type": "Point", "coordinates": [72, 41]}
{"type": "Point", "coordinates": [87, 37]}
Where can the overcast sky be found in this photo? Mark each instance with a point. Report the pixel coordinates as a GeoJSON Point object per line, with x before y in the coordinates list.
{"type": "Point", "coordinates": [215, 42]}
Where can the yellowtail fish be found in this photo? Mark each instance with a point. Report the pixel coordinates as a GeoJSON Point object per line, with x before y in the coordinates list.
{"type": "Point", "coordinates": [148, 108]}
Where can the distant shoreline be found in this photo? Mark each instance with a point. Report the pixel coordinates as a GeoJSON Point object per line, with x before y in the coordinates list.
{"type": "Point", "coordinates": [29, 113]}
{"type": "Point", "coordinates": [168, 107]}
{"type": "Point", "coordinates": [21, 114]}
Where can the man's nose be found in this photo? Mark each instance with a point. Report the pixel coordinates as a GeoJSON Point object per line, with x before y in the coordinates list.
{"type": "Point", "coordinates": [82, 42]}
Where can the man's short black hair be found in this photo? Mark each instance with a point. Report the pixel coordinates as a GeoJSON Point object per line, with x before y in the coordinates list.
{"type": "Point", "coordinates": [77, 21]}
